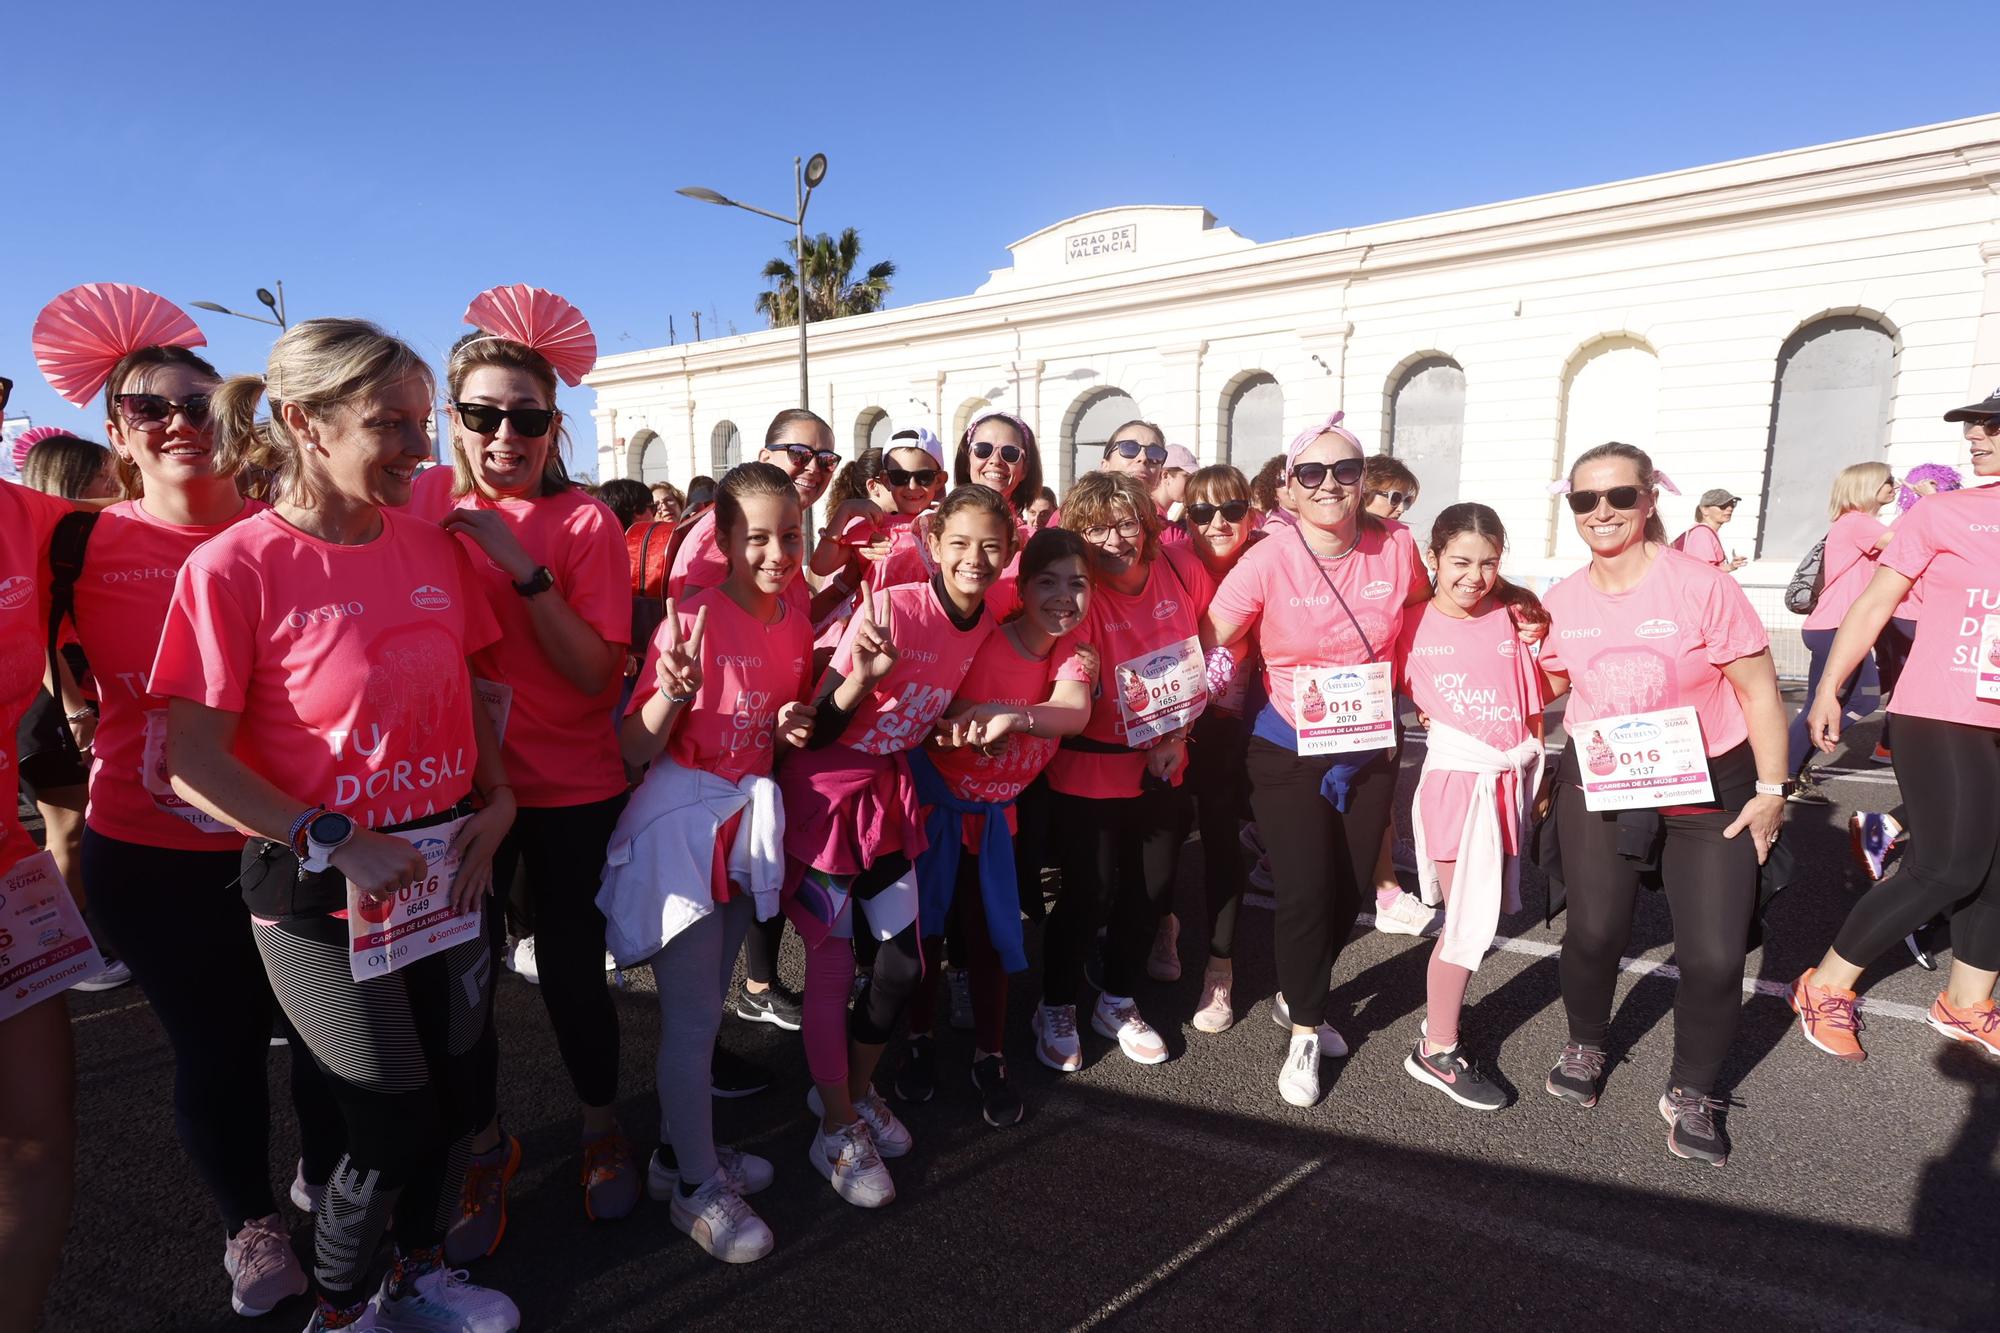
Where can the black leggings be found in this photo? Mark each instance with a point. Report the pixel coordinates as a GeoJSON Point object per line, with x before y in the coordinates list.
{"type": "Point", "coordinates": [892, 967]}
{"type": "Point", "coordinates": [1711, 887]}
{"type": "Point", "coordinates": [760, 950]}
{"type": "Point", "coordinates": [562, 850]}
{"type": "Point", "coordinates": [1949, 773]}
{"type": "Point", "coordinates": [1320, 859]}
{"type": "Point", "coordinates": [1217, 781]}
{"type": "Point", "coordinates": [176, 919]}
{"type": "Point", "coordinates": [1118, 859]}
{"type": "Point", "coordinates": [1892, 652]}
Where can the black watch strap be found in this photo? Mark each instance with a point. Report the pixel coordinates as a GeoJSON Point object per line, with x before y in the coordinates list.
{"type": "Point", "coordinates": [538, 582]}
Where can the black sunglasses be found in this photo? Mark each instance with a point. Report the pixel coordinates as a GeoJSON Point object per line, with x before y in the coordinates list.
{"type": "Point", "coordinates": [1312, 476]}
{"type": "Point", "coordinates": [805, 455]}
{"type": "Point", "coordinates": [921, 477]}
{"type": "Point", "coordinates": [152, 409]}
{"type": "Point", "coordinates": [1201, 515]}
{"type": "Point", "coordinates": [1619, 497]}
{"type": "Point", "coordinates": [1155, 453]}
{"type": "Point", "coordinates": [1009, 453]}
{"type": "Point", "coordinates": [528, 422]}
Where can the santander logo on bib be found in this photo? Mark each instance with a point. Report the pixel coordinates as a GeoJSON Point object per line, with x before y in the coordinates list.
{"type": "Point", "coordinates": [1657, 629]}
{"type": "Point", "coordinates": [430, 597]}
{"type": "Point", "coordinates": [15, 592]}
{"type": "Point", "coordinates": [1377, 590]}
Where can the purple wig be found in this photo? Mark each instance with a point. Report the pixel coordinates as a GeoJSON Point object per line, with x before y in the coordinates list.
{"type": "Point", "coordinates": [1944, 475]}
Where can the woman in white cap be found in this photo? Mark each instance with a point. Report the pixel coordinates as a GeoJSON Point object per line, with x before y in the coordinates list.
{"type": "Point", "coordinates": [1702, 541]}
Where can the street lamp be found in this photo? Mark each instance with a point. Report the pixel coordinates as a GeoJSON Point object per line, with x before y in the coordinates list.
{"type": "Point", "coordinates": [275, 304]}
{"type": "Point", "coordinates": [805, 178]}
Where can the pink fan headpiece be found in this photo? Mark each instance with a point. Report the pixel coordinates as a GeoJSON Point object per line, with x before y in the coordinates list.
{"type": "Point", "coordinates": [82, 335]}
{"type": "Point", "coordinates": [1304, 438]}
{"type": "Point", "coordinates": [541, 321]}
{"type": "Point", "coordinates": [31, 437]}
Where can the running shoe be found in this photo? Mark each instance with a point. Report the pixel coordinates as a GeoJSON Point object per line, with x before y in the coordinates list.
{"type": "Point", "coordinates": [1829, 1018]}
{"type": "Point", "coordinates": [916, 1081]}
{"type": "Point", "coordinates": [1978, 1026]}
{"type": "Point", "coordinates": [1406, 916]}
{"type": "Point", "coordinates": [482, 1206]}
{"type": "Point", "coordinates": [1164, 963]}
{"type": "Point", "coordinates": [361, 1319]}
{"type": "Point", "coordinates": [1920, 950]}
{"type": "Point", "coordinates": [748, 1173]}
{"type": "Point", "coordinates": [610, 1178]}
{"type": "Point", "coordinates": [1216, 1013]}
{"type": "Point", "coordinates": [958, 982]}
{"type": "Point", "coordinates": [1694, 1126]}
{"type": "Point", "coordinates": [1331, 1044]}
{"type": "Point", "coordinates": [114, 975]}
{"type": "Point", "coordinates": [305, 1194]}
{"type": "Point", "coordinates": [890, 1135]}
{"type": "Point", "coordinates": [1117, 1017]}
{"type": "Point", "coordinates": [1455, 1076]}
{"type": "Point", "coordinates": [521, 961]}
{"type": "Point", "coordinates": [1807, 791]}
{"type": "Point", "coordinates": [730, 1075]}
{"type": "Point", "coordinates": [1298, 1081]}
{"type": "Point", "coordinates": [1578, 1075]}
{"type": "Point", "coordinates": [1882, 755]}
{"type": "Point", "coordinates": [1873, 836]}
{"type": "Point", "coordinates": [443, 1300]}
{"type": "Point", "coordinates": [719, 1221]}
{"type": "Point", "coordinates": [847, 1158]}
{"type": "Point", "coordinates": [774, 1004]}
{"type": "Point", "coordinates": [263, 1271]}
{"type": "Point", "coordinates": [999, 1104]}
{"type": "Point", "coordinates": [1056, 1043]}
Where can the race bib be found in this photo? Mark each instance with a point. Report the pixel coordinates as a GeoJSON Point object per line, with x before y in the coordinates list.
{"type": "Point", "coordinates": [44, 946]}
{"type": "Point", "coordinates": [1161, 691]}
{"type": "Point", "coordinates": [387, 934]}
{"type": "Point", "coordinates": [498, 701]}
{"type": "Point", "coordinates": [1986, 675]}
{"type": "Point", "coordinates": [153, 776]}
{"type": "Point", "coordinates": [1641, 760]}
{"type": "Point", "coordinates": [1339, 710]}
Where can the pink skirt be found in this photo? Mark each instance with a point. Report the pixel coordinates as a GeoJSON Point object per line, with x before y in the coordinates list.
{"type": "Point", "coordinates": [845, 810]}
{"type": "Point", "coordinates": [1446, 797]}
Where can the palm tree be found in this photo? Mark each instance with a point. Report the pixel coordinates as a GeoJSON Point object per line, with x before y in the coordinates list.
{"type": "Point", "coordinates": [829, 280]}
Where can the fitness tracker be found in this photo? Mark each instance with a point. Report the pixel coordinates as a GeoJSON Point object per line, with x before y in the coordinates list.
{"type": "Point", "coordinates": [327, 834]}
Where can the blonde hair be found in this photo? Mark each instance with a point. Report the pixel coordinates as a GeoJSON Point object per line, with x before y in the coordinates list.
{"type": "Point", "coordinates": [317, 365]}
{"type": "Point", "coordinates": [484, 349]}
{"type": "Point", "coordinates": [1855, 488]}
{"type": "Point", "coordinates": [1094, 502]}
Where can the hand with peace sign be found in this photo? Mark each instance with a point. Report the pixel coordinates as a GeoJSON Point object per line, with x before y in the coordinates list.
{"type": "Point", "coordinates": [679, 669]}
{"type": "Point", "coordinates": [874, 652]}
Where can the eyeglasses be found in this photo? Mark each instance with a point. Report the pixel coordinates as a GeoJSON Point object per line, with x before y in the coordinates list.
{"type": "Point", "coordinates": [921, 477]}
{"type": "Point", "coordinates": [1155, 453]}
{"type": "Point", "coordinates": [806, 456]}
{"type": "Point", "coordinates": [1312, 476]}
{"type": "Point", "coordinates": [153, 409]}
{"type": "Point", "coordinates": [1009, 453]}
{"type": "Point", "coordinates": [1131, 529]}
{"type": "Point", "coordinates": [1618, 497]}
{"type": "Point", "coordinates": [1396, 499]}
{"type": "Point", "coordinates": [1203, 514]}
{"type": "Point", "coordinates": [528, 422]}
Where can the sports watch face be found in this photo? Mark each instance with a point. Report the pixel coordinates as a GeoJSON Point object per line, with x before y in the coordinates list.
{"type": "Point", "coordinates": [330, 830]}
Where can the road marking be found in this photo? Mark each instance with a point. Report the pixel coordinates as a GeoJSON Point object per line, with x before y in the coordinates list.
{"type": "Point", "coordinates": [106, 1013]}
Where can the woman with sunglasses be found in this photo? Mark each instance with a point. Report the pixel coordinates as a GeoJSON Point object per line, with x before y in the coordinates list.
{"type": "Point", "coordinates": [553, 569]}
{"type": "Point", "coordinates": [1322, 602]}
{"type": "Point", "coordinates": [1392, 488]}
{"type": "Point", "coordinates": [1139, 449]}
{"type": "Point", "coordinates": [1703, 541]}
{"type": "Point", "coordinates": [1639, 634]}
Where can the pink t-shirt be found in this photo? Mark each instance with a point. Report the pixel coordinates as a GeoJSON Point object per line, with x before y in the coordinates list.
{"type": "Point", "coordinates": [121, 606]}
{"type": "Point", "coordinates": [1277, 592]}
{"type": "Point", "coordinates": [1473, 675]}
{"type": "Point", "coordinates": [1002, 674]}
{"type": "Point", "coordinates": [934, 656]}
{"type": "Point", "coordinates": [1949, 543]}
{"type": "Point", "coordinates": [27, 520]}
{"type": "Point", "coordinates": [700, 563]}
{"type": "Point", "coordinates": [908, 560]}
{"type": "Point", "coordinates": [347, 664]}
{"type": "Point", "coordinates": [749, 670]}
{"type": "Point", "coordinates": [1165, 612]}
{"type": "Point", "coordinates": [560, 748]}
{"type": "Point", "coordinates": [1849, 562]}
{"type": "Point", "coordinates": [1703, 543]}
{"type": "Point", "coordinates": [1659, 645]}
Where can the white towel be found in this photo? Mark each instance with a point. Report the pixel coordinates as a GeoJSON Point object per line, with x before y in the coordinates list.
{"type": "Point", "coordinates": [1488, 880]}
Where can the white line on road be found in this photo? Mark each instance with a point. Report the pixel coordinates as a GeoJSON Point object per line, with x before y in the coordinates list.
{"type": "Point", "coordinates": [106, 1013]}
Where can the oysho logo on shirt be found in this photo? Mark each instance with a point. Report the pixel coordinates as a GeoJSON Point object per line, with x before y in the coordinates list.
{"type": "Point", "coordinates": [135, 575]}
{"type": "Point", "coordinates": [15, 592]}
{"type": "Point", "coordinates": [738, 660]}
{"type": "Point", "coordinates": [321, 614]}
{"type": "Point", "coordinates": [1433, 650]}
{"type": "Point", "coordinates": [1377, 590]}
{"type": "Point", "coordinates": [1657, 629]}
{"type": "Point", "coordinates": [1982, 527]}
{"type": "Point", "coordinates": [1587, 632]}
{"type": "Point", "coordinates": [919, 655]}
{"type": "Point", "coordinates": [430, 597]}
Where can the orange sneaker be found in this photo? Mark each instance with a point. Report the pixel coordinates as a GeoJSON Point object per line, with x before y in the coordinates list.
{"type": "Point", "coordinates": [1830, 1019]}
{"type": "Point", "coordinates": [1977, 1026]}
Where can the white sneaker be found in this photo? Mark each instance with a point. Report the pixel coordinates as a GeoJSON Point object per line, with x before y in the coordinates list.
{"type": "Point", "coordinates": [1331, 1044]}
{"type": "Point", "coordinates": [521, 962]}
{"type": "Point", "coordinates": [114, 975]}
{"type": "Point", "coordinates": [746, 1173]}
{"type": "Point", "coordinates": [1298, 1081]}
{"type": "Point", "coordinates": [444, 1301]}
{"type": "Point", "coordinates": [1164, 963]}
{"type": "Point", "coordinates": [263, 1271]}
{"type": "Point", "coordinates": [365, 1322]}
{"type": "Point", "coordinates": [1216, 1013]}
{"type": "Point", "coordinates": [718, 1220]}
{"type": "Point", "coordinates": [305, 1194]}
{"type": "Point", "coordinates": [1406, 916]}
{"type": "Point", "coordinates": [892, 1137]}
{"type": "Point", "coordinates": [1118, 1017]}
{"type": "Point", "coordinates": [1056, 1043]}
{"type": "Point", "coordinates": [847, 1158]}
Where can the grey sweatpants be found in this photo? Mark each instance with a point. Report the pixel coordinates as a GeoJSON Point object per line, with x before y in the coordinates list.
{"type": "Point", "coordinates": [692, 974]}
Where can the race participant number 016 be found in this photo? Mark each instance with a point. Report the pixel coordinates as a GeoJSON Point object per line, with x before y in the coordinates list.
{"type": "Point", "coordinates": [1640, 760]}
{"type": "Point", "coordinates": [388, 933]}
{"type": "Point", "coordinates": [1339, 710]}
{"type": "Point", "coordinates": [1161, 692]}
{"type": "Point", "coordinates": [1986, 671]}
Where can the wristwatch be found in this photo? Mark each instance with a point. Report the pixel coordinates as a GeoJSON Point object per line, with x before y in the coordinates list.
{"type": "Point", "coordinates": [327, 834]}
{"type": "Point", "coordinates": [1776, 788]}
{"type": "Point", "coordinates": [536, 583]}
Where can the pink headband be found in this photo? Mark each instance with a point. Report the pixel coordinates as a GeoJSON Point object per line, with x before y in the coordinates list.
{"type": "Point", "coordinates": [82, 335]}
{"type": "Point", "coordinates": [1304, 438]}
{"type": "Point", "coordinates": [1660, 479]}
{"type": "Point", "coordinates": [544, 323]}
{"type": "Point", "coordinates": [31, 437]}
{"type": "Point", "coordinates": [1027, 435]}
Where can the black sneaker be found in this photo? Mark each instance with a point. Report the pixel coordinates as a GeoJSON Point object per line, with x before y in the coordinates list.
{"type": "Point", "coordinates": [916, 1081]}
{"type": "Point", "coordinates": [999, 1103]}
{"type": "Point", "coordinates": [1694, 1126]}
{"type": "Point", "coordinates": [1578, 1075]}
{"type": "Point", "coordinates": [1456, 1077]}
{"type": "Point", "coordinates": [775, 1005]}
{"type": "Point", "coordinates": [1807, 791]}
{"type": "Point", "coordinates": [730, 1075]}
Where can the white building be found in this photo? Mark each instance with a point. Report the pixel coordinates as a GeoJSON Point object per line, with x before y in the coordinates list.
{"type": "Point", "coordinates": [1756, 324]}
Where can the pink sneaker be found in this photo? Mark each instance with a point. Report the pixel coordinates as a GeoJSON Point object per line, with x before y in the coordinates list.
{"type": "Point", "coordinates": [1216, 1013]}
{"type": "Point", "coordinates": [263, 1271]}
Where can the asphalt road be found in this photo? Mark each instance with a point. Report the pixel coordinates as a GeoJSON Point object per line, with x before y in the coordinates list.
{"type": "Point", "coordinates": [1189, 1196]}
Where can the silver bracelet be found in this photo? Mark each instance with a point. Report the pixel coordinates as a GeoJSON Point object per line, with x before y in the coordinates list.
{"type": "Point", "coordinates": [1770, 789]}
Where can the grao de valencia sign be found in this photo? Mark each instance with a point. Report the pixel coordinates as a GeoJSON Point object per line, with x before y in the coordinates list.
{"type": "Point", "coordinates": [1091, 244]}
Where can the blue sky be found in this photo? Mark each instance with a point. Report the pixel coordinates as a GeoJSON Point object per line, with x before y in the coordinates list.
{"type": "Point", "coordinates": [391, 160]}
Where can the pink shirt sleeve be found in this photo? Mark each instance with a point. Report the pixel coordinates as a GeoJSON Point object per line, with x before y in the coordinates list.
{"type": "Point", "coordinates": [1730, 626]}
{"type": "Point", "coordinates": [597, 575]}
{"type": "Point", "coordinates": [1240, 599]}
{"type": "Point", "coordinates": [208, 645]}
{"type": "Point", "coordinates": [1065, 663]}
{"type": "Point", "coordinates": [1916, 543]}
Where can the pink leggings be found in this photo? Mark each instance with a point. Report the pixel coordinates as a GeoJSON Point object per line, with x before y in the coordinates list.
{"type": "Point", "coordinates": [829, 981]}
{"type": "Point", "coordinates": [1444, 983]}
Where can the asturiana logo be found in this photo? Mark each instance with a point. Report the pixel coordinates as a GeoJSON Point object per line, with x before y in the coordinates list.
{"type": "Point", "coordinates": [1635, 733]}
{"type": "Point", "coordinates": [1343, 682]}
{"type": "Point", "coordinates": [15, 592]}
{"type": "Point", "coordinates": [1657, 629]}
{"type": "Point", "coordinates": [432, 850]}
{"type": "Point", "coordinates": [430, 597]}
{"type": "Point", "coordinates": [1166, 610]}
{"type": "Point", "coordinates": [1377, 590]}
{"type": "Point", "coordinates": [1507, 647]}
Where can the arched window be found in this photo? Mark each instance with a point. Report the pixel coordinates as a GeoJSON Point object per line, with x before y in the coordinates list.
{"type": "Point", "coordinates": [1253, 421]}
{"type": "Point", "coordinates": [872, 430]}
{"type": "Point", "coordinates": [962, 418]}
{"type": "Point", "coordinates": [1087, 428]}
{"type": "Point", "coordinates": [725, 448]}
{"type": "Point", "coordinates": [648, 457]}
{"type": "Point", "coordinates": [1836, 378]}
{"type": "Point", "coordinates": [1427, 432]}
{"type": "Point", "coordinates": [1611, 392]}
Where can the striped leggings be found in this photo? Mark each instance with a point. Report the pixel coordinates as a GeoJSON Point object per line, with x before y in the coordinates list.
{"type": "Point", "coordinates": [409, 1059]}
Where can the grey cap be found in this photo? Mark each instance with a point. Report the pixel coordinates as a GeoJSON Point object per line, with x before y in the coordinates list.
{"type": "Point", "coordinates": [1716, 499]}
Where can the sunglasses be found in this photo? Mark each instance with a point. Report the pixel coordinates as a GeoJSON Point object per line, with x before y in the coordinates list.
{"type": "Point", "coordinates": [1396, 499]}
{"type": "Point", "coordinates": [921, 477]}
{"type": "Point", "coordinates": [1009, 453]}
{"type": "Point", "coordinates": [805, 455]}
{"type": "Point", "coordinates": [153, 409]}
{"type": "Point", "coordinates": [1312, 476]}
{"type": "Point", "coordinates": [1618, 497]}
{"type": "Point", "coordinates": [528, 422]}
{"type": "Point", "coordinates": [1203, 514]}
{"type": "Point", "coordinates": [1155, 453]}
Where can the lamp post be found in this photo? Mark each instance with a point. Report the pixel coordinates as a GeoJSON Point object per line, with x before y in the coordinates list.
{"type": "Point", "coordinates": [275, 304]}
{"type": "Point", "coordinates": [805, 178]}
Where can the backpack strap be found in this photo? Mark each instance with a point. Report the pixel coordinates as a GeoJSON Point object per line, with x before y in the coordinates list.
{"type": "Point", "coordinates": [67, 546]}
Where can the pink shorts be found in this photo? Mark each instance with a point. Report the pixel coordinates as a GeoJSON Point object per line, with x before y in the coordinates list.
{"type": "Point", "coordinates": [1446, 797]}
